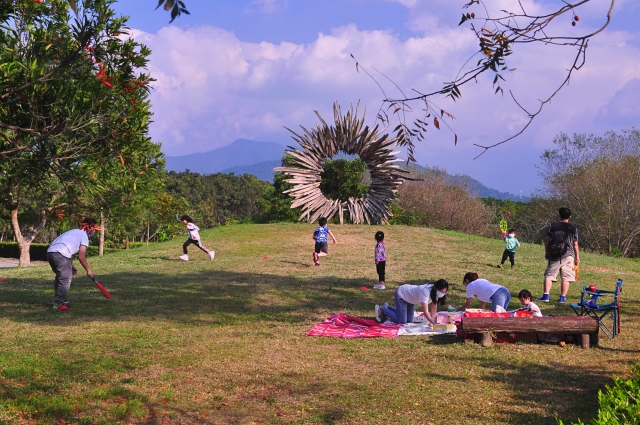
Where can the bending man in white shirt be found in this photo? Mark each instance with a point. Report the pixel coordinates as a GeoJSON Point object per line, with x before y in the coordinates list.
{"type": "Point", "coordinates": [60, 255]}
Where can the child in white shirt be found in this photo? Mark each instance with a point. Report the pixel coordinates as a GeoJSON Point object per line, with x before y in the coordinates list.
{"type": "Point", "coordinates": [194, 238]}
{"type": "Point", "coordinates": [525, 299]}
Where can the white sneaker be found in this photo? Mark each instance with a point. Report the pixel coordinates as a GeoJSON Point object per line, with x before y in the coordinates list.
{"type": "Point", "coordinates": [378, 286]}
{"type": "Point", "coordinates": [212, 255]}
{"type": "Point", "coordinates": [184, 257]}
{"type": "Point", "coordinates": [378, 317]}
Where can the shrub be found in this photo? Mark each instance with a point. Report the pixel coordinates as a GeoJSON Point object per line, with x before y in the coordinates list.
{"type": "Point", "coordinates": [37, 251]}
{"type": "Point", "coordinates": [92, 251]}
{"type": "Point", "coordinates": [433, 203]}
{"type": "Point", "coordinates": [620, 404]}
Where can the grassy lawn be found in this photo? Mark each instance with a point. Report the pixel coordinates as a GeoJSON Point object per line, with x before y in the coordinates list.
{"type": "Point", "coordinates": [224, 342]}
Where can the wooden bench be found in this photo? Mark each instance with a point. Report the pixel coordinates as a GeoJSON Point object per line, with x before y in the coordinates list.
{"type": "Point", "coordinates": [479, 329]}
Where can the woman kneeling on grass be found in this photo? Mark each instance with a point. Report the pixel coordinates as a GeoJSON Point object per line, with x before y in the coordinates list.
{"type": "Point", "coordinates": [407, 296]}
{"type": "Point", "coordinates": [486, 292]}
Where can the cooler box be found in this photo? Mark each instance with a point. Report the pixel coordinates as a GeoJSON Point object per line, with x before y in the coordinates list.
{"type": "Point", "coordinates": [476, 312]}
{"type": "Point", "coordinates": [447, 317]}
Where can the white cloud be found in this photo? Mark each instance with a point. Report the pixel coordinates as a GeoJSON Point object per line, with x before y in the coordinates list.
{"type": "Point", "coordinates": [267, 6]}
{"type": "Point", "coordinates": [213, 88]}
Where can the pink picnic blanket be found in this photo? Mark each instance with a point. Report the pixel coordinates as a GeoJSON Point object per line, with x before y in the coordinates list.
{"type": "Point", "coordinates": [343, 326]}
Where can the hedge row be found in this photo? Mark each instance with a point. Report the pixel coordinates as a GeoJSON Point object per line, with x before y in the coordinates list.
{"type": "Point", "coordinates": [38, 251]}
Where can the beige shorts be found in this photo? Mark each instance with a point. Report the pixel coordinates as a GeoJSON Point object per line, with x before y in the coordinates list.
{"type": "Point", "coordinates": [566, 268]}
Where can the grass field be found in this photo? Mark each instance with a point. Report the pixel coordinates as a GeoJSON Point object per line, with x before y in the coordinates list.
{"type": "Point", "coordinates": [223, 341]}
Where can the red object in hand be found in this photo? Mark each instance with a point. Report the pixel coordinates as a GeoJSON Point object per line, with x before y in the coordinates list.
{"type": "Point", "coordinates": [592, 288]}
{"type": "Point", "coordinates": [102, 288]}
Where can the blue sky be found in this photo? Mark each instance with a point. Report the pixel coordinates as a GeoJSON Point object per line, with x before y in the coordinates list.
{"type": "Point", "coordinates": [244, 69]}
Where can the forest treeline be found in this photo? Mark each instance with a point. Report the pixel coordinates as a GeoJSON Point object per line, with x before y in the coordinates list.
{"type": "Point", "coordinates": [594, 176]}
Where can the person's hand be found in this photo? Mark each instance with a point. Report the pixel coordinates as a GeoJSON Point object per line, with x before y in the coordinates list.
{"type": "Point", "coordinates": [90, 274]}
{"type": "Point", "coordinates": [577, 262]}
{"type": "Point", "coordinates": [74, 271]}
{"type": "Point", "coordinates": [335, 241]}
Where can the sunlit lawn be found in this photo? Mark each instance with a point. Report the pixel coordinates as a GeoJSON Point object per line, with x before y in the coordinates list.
{"type": "Point", "coordinates": [224, 342]}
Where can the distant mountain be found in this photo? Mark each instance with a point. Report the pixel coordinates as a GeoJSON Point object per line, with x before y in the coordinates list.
{"type": "Point", "coordinates": [474, 186]}
{"type": "Point", "coordinates": [262, 170]}
{"type": "Point", "coordinates": [260, 158]}
{"type": "Point", "coordinates": [240, 153]}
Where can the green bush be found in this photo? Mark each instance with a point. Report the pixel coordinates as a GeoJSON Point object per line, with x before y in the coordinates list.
{"type": "Point", "coordinates": [400, 217]}
{"type": "Point", "coordinates": [92, 251]}
{"type": "Point", "coordinates": [620, 404]}
{"type": "Point", "coordinates": [38, 251]}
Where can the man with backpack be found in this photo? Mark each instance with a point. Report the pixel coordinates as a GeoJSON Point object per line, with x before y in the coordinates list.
{"type": "Point", "coordinates": [561, 249]}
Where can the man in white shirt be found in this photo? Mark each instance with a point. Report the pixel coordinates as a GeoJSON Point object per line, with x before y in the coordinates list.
{"type": "Point", "coordinates": [60, 255]}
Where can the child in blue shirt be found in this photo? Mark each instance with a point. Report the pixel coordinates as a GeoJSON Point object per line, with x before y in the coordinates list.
{"type": "Point", "coordinates": [322, 241]}
{"type": "Point", "coordinates": [510, 250]}
{"type": "Point", "coordinates": [380, 257]}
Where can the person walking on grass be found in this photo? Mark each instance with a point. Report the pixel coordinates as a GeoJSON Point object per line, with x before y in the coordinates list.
{"type": "Point", "coordinates": [563, 255]}
{"type": "Point", "coordinates": [380, 257]}
{"type": "Point", "coordinates": [194, 238]}
{"type": "Point", "coordinates": [486, 292]}
{"type": "Point", "coordinates": [510, 250]}
{"type": "Point", "coordinates": [407, 296]}
{"type": "Point", "coordinates": [322, 241]}
{"type": "Point", "coordinates": [60, 257]}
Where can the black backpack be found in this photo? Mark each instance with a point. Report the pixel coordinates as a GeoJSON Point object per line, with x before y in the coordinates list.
{"type": "Point", "coordinates": [559, 242]}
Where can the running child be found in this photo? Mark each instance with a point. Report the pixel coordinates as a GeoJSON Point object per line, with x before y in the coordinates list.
{"type": "Point", "coordinates": [525, 299]}
{"type": "Point", "coordinates": [380, 257]}
{"type": "Point", "coordinates": [322, 242]}
{"type": "Point", "coordinates": [510, 250]}
{"type": "Point", "coordinates": [194, 238]}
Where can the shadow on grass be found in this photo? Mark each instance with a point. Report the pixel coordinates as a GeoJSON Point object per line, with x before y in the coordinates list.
{"type": "Point", "coordinates": [566, 392]}
{"type": "Point", "coordinates": [207, 297]}
{"type": "Point", "coordinates": [204, 297]}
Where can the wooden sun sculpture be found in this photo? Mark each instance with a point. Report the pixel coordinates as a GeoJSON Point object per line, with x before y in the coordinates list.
{"type": "Point", "coordinates": [349, 135]}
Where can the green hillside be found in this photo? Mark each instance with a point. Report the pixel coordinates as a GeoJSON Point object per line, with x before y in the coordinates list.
{"type": "Point", "coordinates": [223, 341]}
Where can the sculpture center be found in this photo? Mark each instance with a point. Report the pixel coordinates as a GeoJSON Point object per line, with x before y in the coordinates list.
{"type": "Point", "coordinates": [344, 178]}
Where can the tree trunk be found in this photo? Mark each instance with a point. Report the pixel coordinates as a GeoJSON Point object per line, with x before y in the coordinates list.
{"type": "Point", "coordinates": [559, 324]}
{"type": "Point", "coordinates": [103, 224]}
{"type": "Point", "coordinates": [24, 241]}
{"type": "Point", "coordinates": [148, 228]}
{"type": "Point", "coordinates": [126, 243]}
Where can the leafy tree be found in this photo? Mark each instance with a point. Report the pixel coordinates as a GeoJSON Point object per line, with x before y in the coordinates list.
{"type": "Point", "coordinates": [275, 205]}
{"type": "Point", "coordinates": [597, 178]}
{"type": "Point", "coordinates": [217, 199]}
{"type": "Point", "coordinates": [343, 179]}
{"type": "Point", "coordinates": [429, 200]}
{"type": "Point", "coordinates": [67, 105]}
{"type": "Point", "coordinates": [176, 8]}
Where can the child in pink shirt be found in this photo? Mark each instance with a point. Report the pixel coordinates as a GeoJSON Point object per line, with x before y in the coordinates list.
{"type": "Point", "coordinates": [380, 257]}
